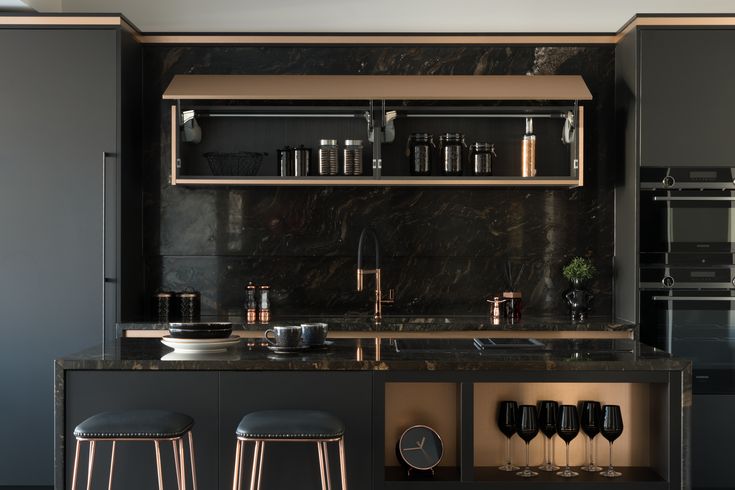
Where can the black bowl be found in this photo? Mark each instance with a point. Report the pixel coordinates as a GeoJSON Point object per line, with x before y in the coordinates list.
{"type": "Point", "coordinates": [202, 326]}
{"type": "Point", "coordinates": [199, 333]}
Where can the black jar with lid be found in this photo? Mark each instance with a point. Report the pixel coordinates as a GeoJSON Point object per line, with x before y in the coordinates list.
{"type": "Point", "coordinates": [481, 158]}
{"type": "Point", "coordinates": [163, 307]}
{"type": "Point", "coordinates": [452, 149]}
{"type": "Point", "coordinates": [189, 305]}
{"type": "Point", "coordinates": [419, 151]}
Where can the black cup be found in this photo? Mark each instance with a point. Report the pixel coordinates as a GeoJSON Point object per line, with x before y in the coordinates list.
{"type": "Point", "coordinates": [314, 334]}
{"type": "Point", "coordinates": [284, 336]}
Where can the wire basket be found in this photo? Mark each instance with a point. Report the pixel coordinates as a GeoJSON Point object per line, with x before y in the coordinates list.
{"type": "Point", "coordinates": [240, 163]}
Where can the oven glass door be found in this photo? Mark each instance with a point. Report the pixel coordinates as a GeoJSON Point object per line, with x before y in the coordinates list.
{"type": "Point", "coordinates": [687, 221]}
{"type": "Point", "coordinates": [696, 325]}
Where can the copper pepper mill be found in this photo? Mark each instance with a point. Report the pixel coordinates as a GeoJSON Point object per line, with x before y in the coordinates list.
{"type": "Point", "coordinates": [496, 309]}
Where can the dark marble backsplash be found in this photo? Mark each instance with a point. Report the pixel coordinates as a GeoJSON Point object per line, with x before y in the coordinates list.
{"type": "Point", "coordinates": [444, 250]}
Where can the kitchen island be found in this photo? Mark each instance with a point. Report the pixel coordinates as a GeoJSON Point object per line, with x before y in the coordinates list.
{"type": "Point", "coordinates": [379, 386]}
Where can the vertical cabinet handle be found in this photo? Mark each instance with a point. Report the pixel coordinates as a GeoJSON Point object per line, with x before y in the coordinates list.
{"type": "Point", "coordinates": [104, 246]}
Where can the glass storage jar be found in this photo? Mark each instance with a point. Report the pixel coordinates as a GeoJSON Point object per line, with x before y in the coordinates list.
{"type": "Point", "coordinates": [419, 151]}
{"type": "Point", "coordinates": [451, 147]}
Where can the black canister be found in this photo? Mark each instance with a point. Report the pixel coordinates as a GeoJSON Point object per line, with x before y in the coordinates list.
{"type": "Point", "coordinates": [286, 166]}
{"type": "Point", "coordinates": [481, 158]}
{"type": "Point", "coordinates": [189, 305]}
{"type": "Point", "coordinates": [451, 147]}
{"type": "Point", "coordinates": [419, 150]}
{"type": "Point", "coordinates": [162, 306]}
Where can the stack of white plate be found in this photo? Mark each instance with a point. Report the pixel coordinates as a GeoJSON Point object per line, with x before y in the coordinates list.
{"type": "Point", "coordinates": [195, 346]}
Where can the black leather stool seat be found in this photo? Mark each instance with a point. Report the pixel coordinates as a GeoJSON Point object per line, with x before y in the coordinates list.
{"type": "Point", "coordinates": [135, 424]}
{"type": "Point", "coordinates": [290, 424]}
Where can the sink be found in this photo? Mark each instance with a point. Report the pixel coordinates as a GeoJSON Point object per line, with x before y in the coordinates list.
{"type": "Point", "coordinates": [454, 345]}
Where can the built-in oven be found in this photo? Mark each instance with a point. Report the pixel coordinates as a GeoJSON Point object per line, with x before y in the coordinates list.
{"type": "Point", "coordinates": [690, 312]}
{"type": "Point", "coordinates": [685, 211]}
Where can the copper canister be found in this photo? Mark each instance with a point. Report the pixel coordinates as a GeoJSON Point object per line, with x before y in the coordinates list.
{"type": "Point", "coordinates": [528, 151]}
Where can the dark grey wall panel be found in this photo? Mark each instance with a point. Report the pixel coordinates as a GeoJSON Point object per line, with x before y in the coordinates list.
{"type": "Point", "coordinates": [58, 98]}
{"type": "Point", "coordinates": [687, 97]}
{"type": "Point", "coordinates": [348, 395]}
{"type": "Point", "coordinates": [712, 436]}
{"type": "Point", "coordinates": [192, 393]}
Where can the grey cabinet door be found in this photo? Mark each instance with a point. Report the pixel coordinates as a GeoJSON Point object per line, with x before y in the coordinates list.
{"type": "Point", "coordinates": [687, 97]}
{"type": "Point", "coordinates": [58, 100]}
{"type": "Point", "coordinates": [712, 438]}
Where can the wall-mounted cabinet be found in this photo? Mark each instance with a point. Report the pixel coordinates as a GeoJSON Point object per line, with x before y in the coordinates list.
{"type": "Point", "coordinates": [228, 130]}
{"type": "Point", "coordinates": [686, 99]}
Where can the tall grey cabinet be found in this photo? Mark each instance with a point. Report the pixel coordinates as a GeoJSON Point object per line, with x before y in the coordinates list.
{"type": "Point", "coordinates": [69, 170]}
{"type": "Point", "coordinates": [675, 100]}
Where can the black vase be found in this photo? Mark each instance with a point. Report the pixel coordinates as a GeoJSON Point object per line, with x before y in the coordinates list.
{"type": "Point", "coordinates": [579, 300]}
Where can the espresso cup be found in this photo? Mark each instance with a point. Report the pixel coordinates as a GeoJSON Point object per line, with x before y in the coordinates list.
{"type": "Point", "coordinates": [286, 336]}
{"type": "Point", "coordinates": [314, 334]}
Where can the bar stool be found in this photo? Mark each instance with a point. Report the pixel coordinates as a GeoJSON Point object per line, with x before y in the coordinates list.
{"type": "Point", "coordinates": [138, 425]}
{"type": "Point", "coordinates": [289, 426]}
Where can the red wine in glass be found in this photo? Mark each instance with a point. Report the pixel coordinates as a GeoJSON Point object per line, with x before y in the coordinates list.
{"type": "Point", "coordinates": [547, 411]}
{"type": "Point", "coordinates": [568, 427]}
{"type": "Point", "coordinates": [507, 412]}
{"type": "Point", "coordinates": [590, 421]}
{"type": "Point", "coordinates": [611, 428]}
{"type": "Point", "coordinates": [527, 429]}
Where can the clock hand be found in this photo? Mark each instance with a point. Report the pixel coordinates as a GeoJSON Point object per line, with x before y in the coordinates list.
{"type": "Point", "coordinates": [412, 448]}
{"type": "Point", "coordinates": [423, 440]}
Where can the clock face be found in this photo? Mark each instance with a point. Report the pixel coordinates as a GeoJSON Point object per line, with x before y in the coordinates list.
{"type": "Point", "coordinates": [420, 447]}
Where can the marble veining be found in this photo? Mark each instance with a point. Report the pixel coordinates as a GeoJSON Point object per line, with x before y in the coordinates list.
{"type": "Point", "coordinates": [444, 249]}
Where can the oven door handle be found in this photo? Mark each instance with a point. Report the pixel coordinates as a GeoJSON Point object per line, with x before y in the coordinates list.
{"type": "Point", "coordinates": [692, 198]}
{"type": "Point", "coordinates": [694, 298]}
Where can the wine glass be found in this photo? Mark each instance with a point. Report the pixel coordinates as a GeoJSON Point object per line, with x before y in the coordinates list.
{"type": "Point", "coordinates": [568, 428]}
{"type": "Point", "coordinates": [527, 429]}
{"type": "Point", "coordinates": [590, 425]}
{"type": "Point", "coordinates": [547, 425]}
{"type": "Point", "coordinates": [611, 428]}
{"type": "Point", "coordinates": [507, 425]}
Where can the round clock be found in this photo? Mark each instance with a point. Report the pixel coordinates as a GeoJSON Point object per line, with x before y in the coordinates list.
{"type": "Point", "coordinates": [420, 448]}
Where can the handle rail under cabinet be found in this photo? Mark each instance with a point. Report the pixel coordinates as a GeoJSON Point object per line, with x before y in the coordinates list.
{"type": "Point", "coordinates": [693, 198]}
{"type": "Point", "coordinates": [694, 298]}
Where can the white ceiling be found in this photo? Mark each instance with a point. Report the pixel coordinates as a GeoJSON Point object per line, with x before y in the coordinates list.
{"type": "Point", "coordinates": [485, 16]}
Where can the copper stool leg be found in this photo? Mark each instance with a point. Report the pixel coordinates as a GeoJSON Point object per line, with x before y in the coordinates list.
{"type": "Point", "coordinates": [182, 461]}
{"type": "Point", "coordinates": [175, 447]}
{"type": "Point", "coordinates": [191, 459]}
{"type": "Point", "coordinates": [254, 473]}
{"type": "Point", "coordinates": [158, 465]}
{"type": "Point", "coordinates": [321, 464]}
{"type": "Point", "coordinates": [326, 465]}
{"type": "Point", "coordinates": [76, 466]}
{"type": "Point", "coordinates": [236, 474]}
{"type": "Point", "coordinates": [91, 464]}
{"type": "Point", "coordinates": [260, 464]}
{"type": "Point", "coordinates": [112, 465]}
{"type": "Point", "coordinates": [342, 463]}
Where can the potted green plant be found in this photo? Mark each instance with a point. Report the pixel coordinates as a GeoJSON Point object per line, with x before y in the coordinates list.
{"type": "Point", "coordinates": [578, 272]}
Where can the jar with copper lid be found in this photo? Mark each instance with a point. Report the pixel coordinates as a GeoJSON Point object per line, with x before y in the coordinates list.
{"type": "Point", "coordinates": [162, 306]}
{"type": "Point", "coordinates": [189, 305]}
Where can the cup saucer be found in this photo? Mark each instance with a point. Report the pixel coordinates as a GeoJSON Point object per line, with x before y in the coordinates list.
{"type": "Point", "coordinates": [288, 350]}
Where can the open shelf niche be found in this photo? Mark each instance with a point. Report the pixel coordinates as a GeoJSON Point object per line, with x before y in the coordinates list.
{"type": "Point", "coordinates": [261, 113]}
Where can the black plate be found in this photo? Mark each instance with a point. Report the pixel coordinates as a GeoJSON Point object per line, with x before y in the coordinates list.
{"type": "Point", "coordinates": [179, 333]}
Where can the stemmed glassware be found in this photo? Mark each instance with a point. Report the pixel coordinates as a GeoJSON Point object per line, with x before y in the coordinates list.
{"type": "Point", "coordinates": [568, 428]}
{"type": "Point", "coordinates": [590, 420]}
{"type": "Point", "coordinates": [507, 424]}
{"type": "Point", "coordinates": [611, 428]}
{"type": "Point", "coordinates": [527, 429]}
{"type": "Point", "coordinates": [547, 425]}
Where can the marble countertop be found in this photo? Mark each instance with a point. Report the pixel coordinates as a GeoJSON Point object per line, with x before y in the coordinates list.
{"type": "Point", "coordinates": [417, 324]}
{"type": "Point", "coordinates": [383, 354]}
